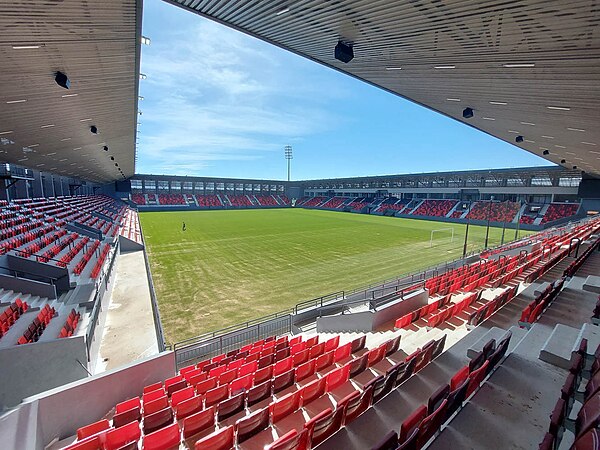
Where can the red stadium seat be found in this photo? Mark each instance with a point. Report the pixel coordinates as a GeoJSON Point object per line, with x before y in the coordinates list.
{"type": "Point", "coordinates": [412, 422]}
{"type": "Point", "coordinates": [252, 424]}
{"type": "Point", "coordinates": [188, 407]}
{"type": "Point", "coordinates": [119, 437]}
{"type": "Point", "coordinates": [203, 421]}
{"type": "Point", "coordinates": [159, 419]}
{"type": "Point", "coordinates": [285, 406]}
{"type": "Point", "coordinates": [292, 440]}
{"type": "Point", "coordinates": [219, 440]}
{"type": "Point", "coordinates": [92, 429]}
{"type": "Point", "coordinates": [167, 438]}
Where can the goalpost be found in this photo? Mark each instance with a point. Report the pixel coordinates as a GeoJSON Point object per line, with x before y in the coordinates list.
{"type": "Point", "coordinates": [449, 230]}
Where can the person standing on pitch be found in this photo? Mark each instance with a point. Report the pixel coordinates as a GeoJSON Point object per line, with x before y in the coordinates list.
{"type": "Point", "coordinates": [183, 227]}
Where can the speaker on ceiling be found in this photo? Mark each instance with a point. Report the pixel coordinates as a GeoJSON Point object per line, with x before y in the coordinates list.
{"type": "Point", "coordinates": [93, 129]}
{"type": "Point", "coordinates": [344, 52]}
{"type": "Point", "coordinates": [62, 80]}
{"type": "Point", "coordinates": [519, 139]}
{"type": "Point", "coordinates": [468, 113]}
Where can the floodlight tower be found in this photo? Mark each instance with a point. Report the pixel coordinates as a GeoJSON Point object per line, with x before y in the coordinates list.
{"type": "Point", "coordinates": [288, 156]}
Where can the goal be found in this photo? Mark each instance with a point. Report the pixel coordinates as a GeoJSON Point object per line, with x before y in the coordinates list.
{"type": "Point", "coordinates": [442, 236]}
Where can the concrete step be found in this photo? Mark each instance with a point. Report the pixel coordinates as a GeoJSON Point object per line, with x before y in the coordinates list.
{"type": "Point", "coordinates": [558, 347]}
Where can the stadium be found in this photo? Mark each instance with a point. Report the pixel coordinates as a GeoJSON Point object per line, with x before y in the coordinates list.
{"type": "Point", "coordinates": [439, 309]}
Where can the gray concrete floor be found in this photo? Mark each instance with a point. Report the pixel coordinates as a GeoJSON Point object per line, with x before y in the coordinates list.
{"type": "Point", "coordinates": [129, 333]}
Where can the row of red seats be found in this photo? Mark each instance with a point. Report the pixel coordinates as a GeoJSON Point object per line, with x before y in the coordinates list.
{"type": "Point", "coordinates": [266, 200]}
{"type": "Point", "coordinates": [57, 248]}
{"type": "Point", "coordinates": [327, 415]}
{"type": "Point", "coordinates": [435, 208]}
{"type": "Point", "coordinates": [284, 199]}
{"type": "Point", "coordinates": [358, 204]}
{"type": "Point", "coordinates": [528, 220]}
{"type": "Point", "coordinates": [485, 311]}
{"type": "Point", "coordinates": [19, 229]}
{"type": "Point", "coordinates": [239, 200]}
{"type": "Point", "coordinates": [532, 312]}
{"type": "Point", "coordinates": [98, 266]}
{"type": "Point", "coordinates": [311, 202]}
{"type": "Point", "coordinates": [37, 327]}
{"type": "Point", "coordinates": [86, 258]}
{"type": "Point", "coordinates": [156, 409]}
{"type": "Point", "coordinates": [435, 319]}
{"type": "Point", "coordinates": [420, 313]}
{"type": "Point", "coordinates": [8, 223]}
{"type": "Point", "coordinates": [397, 205]}
{"type": "Point", "coordinates": [138, 199]}
{"type": "Point", "coordinates": [287, 411]}
{"type": "Point", "coordinates": [42, 242]}
{"type": "Point", "coordinates": [10, 315]}
{"type": "Point", "coordinates": [559, 211]}
{"type": "Point", "coordinates": [70, 325]}
{"type": "Point", "coordinates": [426, 420]}
{"type": "Point", "coordinates": [334, 202]}
{"type": "Point", "coordinates": [497, 212]}
{"type": "Point", "coordinates": [25, 238]}
{"type": "Point", "coordinates": [208, 200]}
{"type": "Point", "coordinates": [575, 265]}
{"type": "Point", "coordinates": [171, 199]}
{"type": "Point", "coordinates": [68, 257]}
{"type": "Point", "coordinates": [457, 214]}
{"type": "Point", "coordinates": [586, 423]}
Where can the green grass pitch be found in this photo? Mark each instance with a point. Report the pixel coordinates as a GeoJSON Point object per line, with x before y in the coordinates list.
{"type": "Point", "coordinates": [230, 266]}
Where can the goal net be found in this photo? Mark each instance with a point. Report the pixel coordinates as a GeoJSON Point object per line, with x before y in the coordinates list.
{"type": "Point", "coordinates": [442, 236]}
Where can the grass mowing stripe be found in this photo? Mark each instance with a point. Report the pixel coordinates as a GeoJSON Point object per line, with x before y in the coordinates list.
{"type": "Point", "coordinates": [234, 265]}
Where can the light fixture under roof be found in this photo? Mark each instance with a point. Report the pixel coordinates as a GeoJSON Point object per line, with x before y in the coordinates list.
{"type": "Point", "coordinates": [393, 68]}
{"type": "Point", "coordinates": [33, 145]}
{"type": "Point", "coordinates": [497, 103]}
{"type": "Point", "coordinates": [63, 160]}
{"type": "Point", "coordinates": [513, 131]}
{"type": "Point", "coordinates": [559, 108]}
{"type": "Point", "coordinates": [65, 139]}
{"type": "Point", "coordinates": [453, 99]}
{"type": "Point", "coordinates": [85, 120]}
{"type": "Point", "coordinates": [518, 65]}
{"type": "Point", "coordinates": [444, 67]}
{"type": "Point", "coordinates": [25, 47]}
{"type": "Point", "coordinates": [69, 95]}
{"type": "Point", "coordinates": [51, 154]}
{"type": "Point", "coordinates": [530, 141]}
{"type": "Point", "coordinates": [588, 143]}
{"type": "Point", "coordinates": [77, 148]}
{"type": "Point", "coordinates": [5, 132]}
{"type": "Point", "coordinates": [282, 11]}
{"type": "Point", "coordinates": [528, 123]}
{"type": "Point", "coordinates": [576, 129]}
{"type": "Point", "coordinates": [560, 146]}
{"type": "Point", "coordinates": [547, 137]}
{"type": "Point", "coordinates": [10, 102]}
{"type": "Point", "coordinates": [47, 126]}
{"type": "Point", "coordinates": [488, 118]}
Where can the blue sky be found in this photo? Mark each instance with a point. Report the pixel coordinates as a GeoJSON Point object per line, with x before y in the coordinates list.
{"type": "Point", "coordinates": [220, 103]}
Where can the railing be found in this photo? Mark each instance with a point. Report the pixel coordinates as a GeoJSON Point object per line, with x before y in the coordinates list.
{"type": "Point", "coordinates": [101, 287]}
{"type": "Point", "coordinates": [235, 336]}
{"type": "Point", "coordinates": [319, 301]}
{"type": "Point", "coordinates": [160, 334]}
{"type": "Point", "coordinates": [40, 258]}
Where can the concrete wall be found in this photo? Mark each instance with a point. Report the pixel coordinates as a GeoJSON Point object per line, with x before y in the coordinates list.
{"type": "Point", "coordinates": [370, 320]}
{"type": "Point", "coordinates": [58, 413]}
{"type": "Point", "coordinates": [41, 269]}
{"type": "Point", "coordinates": [401, 307]}
{"type": "Point", "coordinates": [27, 286]}
{"type": "Point", "coordinates": [28, 369]}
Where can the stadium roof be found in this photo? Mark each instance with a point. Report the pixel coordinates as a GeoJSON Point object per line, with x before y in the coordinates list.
{"type": "Point", "coordinates": [46, 127]}
{"type": "Point", "coordinates": [526, 68]}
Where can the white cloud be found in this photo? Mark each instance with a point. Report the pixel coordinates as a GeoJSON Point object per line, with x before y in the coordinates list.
{"type": "Point", "coordinates": [213, 94]}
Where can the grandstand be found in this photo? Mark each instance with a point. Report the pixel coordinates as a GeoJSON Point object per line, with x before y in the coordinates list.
{"type": "Point", "coordinates": [495, 349]}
